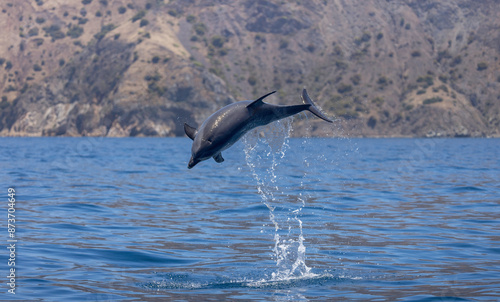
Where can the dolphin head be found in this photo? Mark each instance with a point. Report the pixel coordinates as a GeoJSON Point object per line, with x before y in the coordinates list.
{"type": "Point", "coordinates": [201, 150]}
{"type": "Point", "coordinates": [192, 162]}
{"type": "Point", "coordinates": [196, 152]}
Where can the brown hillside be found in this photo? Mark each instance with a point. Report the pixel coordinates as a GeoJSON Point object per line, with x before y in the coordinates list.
{"type": "Point", "coordinates": [144, 67]}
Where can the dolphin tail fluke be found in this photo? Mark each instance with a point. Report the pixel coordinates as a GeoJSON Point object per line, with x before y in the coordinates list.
{"type": "Point", "coordinates": [312, 108]}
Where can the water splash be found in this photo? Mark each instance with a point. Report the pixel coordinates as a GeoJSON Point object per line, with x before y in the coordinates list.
{"type": "Point", "coordinates": [265, 150]}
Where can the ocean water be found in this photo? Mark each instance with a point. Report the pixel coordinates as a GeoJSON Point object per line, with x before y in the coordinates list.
{"type": "Point", "coordinates": [282, 219]}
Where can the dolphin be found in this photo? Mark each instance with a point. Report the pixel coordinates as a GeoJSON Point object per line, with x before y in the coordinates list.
{"type": "Point", "coordinates": [227, 125]}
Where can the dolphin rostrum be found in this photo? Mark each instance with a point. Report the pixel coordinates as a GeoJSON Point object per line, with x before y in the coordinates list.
{"type": "Point", "coordinates": [227, 125]}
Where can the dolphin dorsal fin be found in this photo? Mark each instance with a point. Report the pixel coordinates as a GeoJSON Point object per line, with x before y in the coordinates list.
{"type": "Point", "coordinates": [190, 131]}
{"type": "Point", "coordinates": [258, 102]}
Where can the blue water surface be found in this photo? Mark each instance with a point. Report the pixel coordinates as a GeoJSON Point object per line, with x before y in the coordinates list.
{"type": "Point", "coordinates": [286, 219]}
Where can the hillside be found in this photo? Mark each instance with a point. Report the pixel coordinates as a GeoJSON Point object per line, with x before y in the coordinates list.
{"type": "Point", "coordinates": [144, 67]}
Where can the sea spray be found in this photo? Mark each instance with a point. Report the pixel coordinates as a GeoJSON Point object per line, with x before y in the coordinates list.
{"type": "Point", "coordinates": [265, 150]}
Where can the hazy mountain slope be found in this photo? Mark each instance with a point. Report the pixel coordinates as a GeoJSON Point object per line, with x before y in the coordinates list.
{"type": "Point", "coordinates": [120, 68]}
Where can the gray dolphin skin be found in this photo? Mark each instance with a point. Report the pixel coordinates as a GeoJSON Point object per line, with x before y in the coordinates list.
{"type": "Point", "coordinates": [227, 125]}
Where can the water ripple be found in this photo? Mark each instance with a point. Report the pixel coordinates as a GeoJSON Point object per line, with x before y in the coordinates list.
{"type": "Point", "coordinates": [305, 219]}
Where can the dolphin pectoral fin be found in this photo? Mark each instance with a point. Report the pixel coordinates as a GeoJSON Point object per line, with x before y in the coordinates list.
{"type": "Point", "coordinates": [313, 109]}
{"type": "Point", "coordinates": [218, 157]}
{"type": "Point", "coordinates": [258, 102]}
{"type": "Point", "coordinates": [190, 131]}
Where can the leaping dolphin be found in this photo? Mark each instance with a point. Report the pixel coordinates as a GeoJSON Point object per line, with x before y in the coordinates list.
{"type": "Point", "coordinates": [227, 125]}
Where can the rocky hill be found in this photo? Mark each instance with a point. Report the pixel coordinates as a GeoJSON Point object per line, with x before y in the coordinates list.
{"type": "Point", "coordinates": [144, 67]}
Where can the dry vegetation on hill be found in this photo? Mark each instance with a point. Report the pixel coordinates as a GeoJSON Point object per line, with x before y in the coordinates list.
{"type": "Point", "coordinates": [144, 67]}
